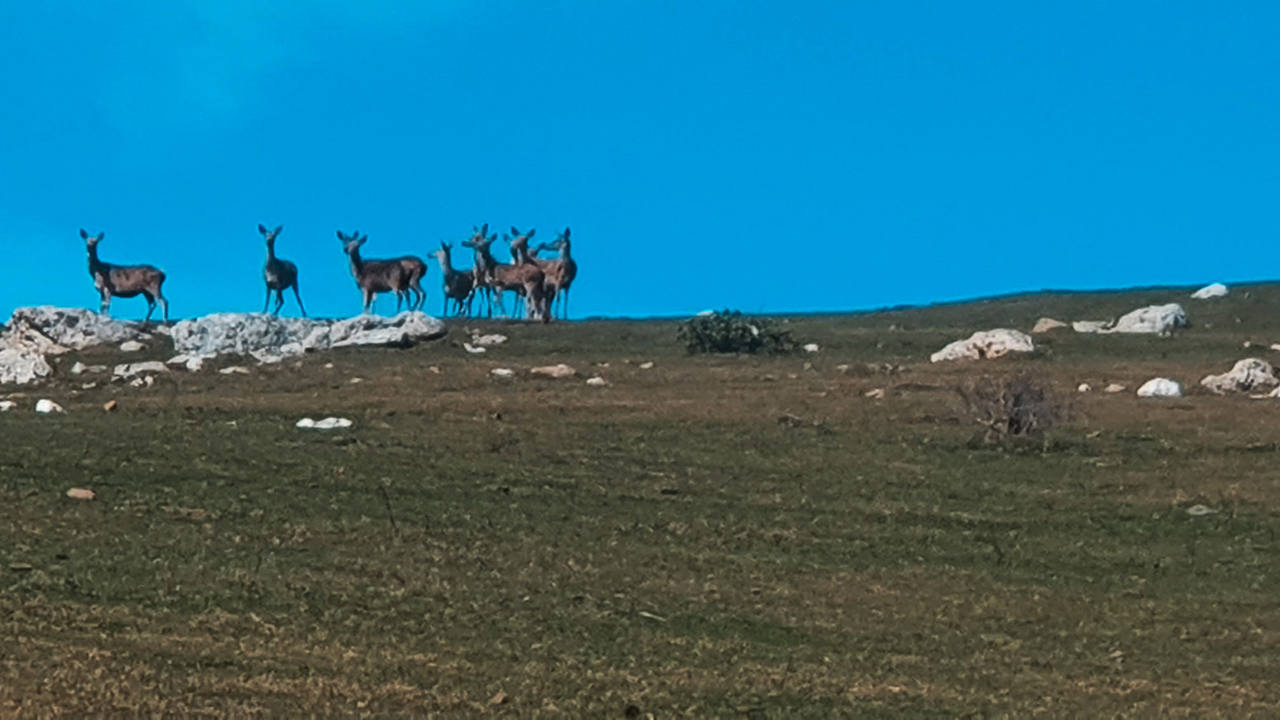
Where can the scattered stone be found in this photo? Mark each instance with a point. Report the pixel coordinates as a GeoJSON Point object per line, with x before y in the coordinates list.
{"type": "Point", "coordinates": [554, 371]}
{"type": "Point", "coordinates": [1248, 374]}
{"type": "Point", "coordinates": [876, 394]}
{"type": "Point", "coordinates": [235, 370]}
{"type": "Point", "coordinates": [7, 405]}
{"type": "Point", "coordinates": [502, 372]}
{"type": "Point", "coordinates": [1210, 291]}
{"type": "Point", "coordinates": [985, 344]}
{"type": "Point", "coordinates": [1160, 388]}
{"type": "Point", "coordinates": [130, 346]}
{"type": "Point", "coordinates": [19, 366]}
{"type": "Point", "coordinates": [329, 423]}
{"type": "Point", "coordinates": [1084, 388]}
{"type": "Point", "coordinates": [356, 380]}
{"type": "Point", "coordinates": [137, 382]}
{"type": "Point", "coordinates": [1200, 510]}
{"type": "Point", "coordinates": [81, 494]}
{"type": "Point", "coordinates": [812, 347]}
{"type": "Point", "coordinates": [487, 340]}
{"type": "Point", "coordinates": [110, 406]}
{"type": "Point", "coordinates": [597, 381]}
{"type": "Point", "coordinates": [1114, 388]}
{"type": "Point", "coordinates": [88, 385]}
{"type": "Point", "coordinates": [473, 349]}
{"type": "Point", "coordinates": [129, 370]}
{"type": "Point", "coordinates": [1090, 326]}
{"type": "Point", "coordinates": [78, 368]}
{"type": "Point", "coordinates": [646, 365]}
{"type": "Point", "coordinates": [435, 370]}
{"type": "Point", "coordinates": [45, 407]}
{"type": "Point", "coordinates": [1045, 324]}
{"type": "Point", "coordinates": [842, 369]}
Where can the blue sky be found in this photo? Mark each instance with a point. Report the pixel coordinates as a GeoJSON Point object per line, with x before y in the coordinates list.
{"type": "Point", "coordinates": [767, 156]}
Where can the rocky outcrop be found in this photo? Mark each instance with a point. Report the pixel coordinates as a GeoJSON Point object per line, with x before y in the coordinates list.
{"type": "Point", "coordinates": [19, 366]}
{"type": "Point", "coordinates": [1247, 375]}
{"type": "Point", "coordinates": [985, 344]}
{"type": "Point", "coordinates": [46, 326]}
{"type": "Point", "coordinates": [268, 337]}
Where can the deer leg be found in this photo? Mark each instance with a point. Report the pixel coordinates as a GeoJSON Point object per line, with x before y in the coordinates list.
{"type": "Point", "coordinates": [298, 295]}
{"type": "Point", "coordinates": [105, 307]}
{"type": "Point", "coordinates": [279, 300]}
{"type": "Point", "coordinates": [151, 306]}
{"type": "Point", "coordinates": [267, 303]}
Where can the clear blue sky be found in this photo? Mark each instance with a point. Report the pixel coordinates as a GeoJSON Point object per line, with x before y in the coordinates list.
{"type": "Point", "coordinates": [766, 156]}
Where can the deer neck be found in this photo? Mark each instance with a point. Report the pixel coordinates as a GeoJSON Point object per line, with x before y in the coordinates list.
{"type": "Point", "coordinates": [357, 265]}
{"type": "Point", "coordinates": [96, 266]}
{"type": "Point", "coordinates": [271, 251]}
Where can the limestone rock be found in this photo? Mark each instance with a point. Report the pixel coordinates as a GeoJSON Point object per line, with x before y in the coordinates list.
{"type": "Point", "coordinates": [554, 371]}
{"type": "Point", "coordinates": [19, 366]}
{"type": "Point", "coordinates": [1247, 375]}
{"type": "Point", "coordinates": [1160, 388]}
{"type": "Point", "coordinates": [1045, 324]}
{"type": "Point", "coordinates": [71, 328]}
{"type": "Point", "coordinates": [1151, 320]}
{"type": "Point", "coordinates": [126, 371]}
{"type": "Point", "coordinates": [985, 344]}
{"type": "Point", "coordinates": [1215, 290]}
{"type": "Point", "coordinates": [46, 407]}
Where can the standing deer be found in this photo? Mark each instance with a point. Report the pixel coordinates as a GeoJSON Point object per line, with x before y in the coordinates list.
{"type": "Point", "coordinates": [458, 286]}
{"type": "Point", "coordinates": [523, 278]}
{"type": "Point", "coordinates": [124, 281]}
{"type": "Point", "coordinates": [560, 272]}
{"type": "Point", "coordinates": [376, 276]}
{"type": "Point", "coordinates": [278, 273]}
{"type": "Point", "coordinates": [417, 269]}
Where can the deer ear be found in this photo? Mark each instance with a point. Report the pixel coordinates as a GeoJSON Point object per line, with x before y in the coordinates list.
{"type": "Point", "coordinates": [262, 229]}
{"type": "Point", "coordinates": [493, 237]}
{"type": "Point", "coordinates": [531, 232]}
{"type": "Point", "coordinates": [514, 231]}
{"type": "Point", "coordinates": [277, 230]}
{"type": "Point", "coordinates": [83, 235]}
{"type": "Point", "coordinates": [484, 229]}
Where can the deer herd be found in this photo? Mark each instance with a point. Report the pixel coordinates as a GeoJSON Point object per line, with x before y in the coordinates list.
{"type": "Point", "coordinates": [538, 281]}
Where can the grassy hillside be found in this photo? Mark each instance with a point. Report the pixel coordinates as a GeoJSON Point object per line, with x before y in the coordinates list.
{"type": "Point", "coordinates": [713, 537]}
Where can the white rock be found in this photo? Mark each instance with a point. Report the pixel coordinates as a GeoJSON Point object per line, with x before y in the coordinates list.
{"type": "Point", "coordinates": [597, 381]}
{"type": "Point", "coordinates": [554, 371]}
{"type": "Point", "coordinates": [235, 370]}
{"type": "Point", "coordinates": [128, 370]}
{"type": "Point", "coordinates": [194, 363]}
{"type": "Point", "coordinates": [1210, 291]}
{"type": "Point", "coordinates": [130, 346]}
{"type": "Point", "coordinates": [20, 367]}
{"type": "Point", "coordinates": [1200, 510]}
{"type": "Point", "coordinates": [70, 328]}
{"type": "Point", "coordinates": [1246, 375]}
{"type": "Point", "coordinates": [876, 394]}
{"type": "Point", "coordinates": [1151, 320]}
{"type": "Point", "coordinates": [331, 423]}
{"type": "Point", "coordinates": [705, 313]}
{"type": "Point", "coordinates": [1160, 388]}
{"type": "Point", "coordinates": [1045, 324]}
{"type": "Point", "coordinates": [473, 349]}
{"type": "Point", "coordinates": [1114, 388]}
{"type": "Point", "coordinates": [812, 347]}
{"type": "Point", "coordinates": [985, 344]}
{"type": "Point", "coordinates": [7, 405]}
{"type": "Point", "coordinates": [305, 423]}
{"type": "Point", "coordinates": [244, 333]}
{"type": "Point", "coordinates": [487, 340]}
{"type": "Point", "coordinates": [646, 365]}
{"type": "Point", "coordinates": [502, 372]}
{"type": "Point", "coordinates": [45, 407]}
{"type": "Point", "coordinates": [1085, 387]}
{"type": "Point", "coordinates": [78, 368]}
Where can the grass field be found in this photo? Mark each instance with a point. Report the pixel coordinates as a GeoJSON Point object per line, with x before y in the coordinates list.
{"type": "Point", "coordinates": [717, 536]}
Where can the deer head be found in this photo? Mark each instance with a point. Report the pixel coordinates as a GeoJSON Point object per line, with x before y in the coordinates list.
{"type": "Point", "coordinates": [91, 241]}
{"type": "Point", "coordinates": [269, 235]}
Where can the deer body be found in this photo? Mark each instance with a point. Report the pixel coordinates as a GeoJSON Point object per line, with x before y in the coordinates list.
{"type": "Point", "coordinates": [124, 281]}
{"type": "Point", "coordinates": [416, 269]}
{"type": "Point", "coordinates": [278, 273]}
{"type": "Point", "coordinates": [458, 286]}
{"type": "Point", "coordinates": [376, 276]}
{"type": "Point", "coordinates": [524, 278]}
{"type": "Point", "coordinates": [560, 272]}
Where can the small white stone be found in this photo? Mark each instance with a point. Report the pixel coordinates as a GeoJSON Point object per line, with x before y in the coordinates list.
{"type": "Point", "coordinates": [473, 349]}
{"type": "Point", "coordinates": [502, 372]}
{"type": "Point", "coordinates": [45, 407]}
{"type": "Point", "coordinates": [130, 346]}
{"type": "Point", "coordinates": [812, 347]}
{"type": "Point", "coordinates": [305, 423]}
{"type": "Point", "coordinates": [1085, 387]}
{"type": "Point", "coordinates": [7, 405]}
{"type": "Point", "coordinates": [235, 370]}
{"type": "Point", "coordinates": [1160, 388]}
{"type": "Point", "coordinates": [597, 381]}
{"type": "Point", "coordinates": [1200, 510]}
{"type": "Point", "coordinates": [1114, 388]}
{"type": "Point", "coordinates": [490, 339]}
{"type": "Point", "coordinates": [646, 365]}
{"type": "Point", "coordinates": [877, 394]}
{"type": "Point", "coordinates": [1210, 291]}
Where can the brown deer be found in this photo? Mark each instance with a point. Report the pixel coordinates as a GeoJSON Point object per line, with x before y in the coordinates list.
{"type": "Point", "coordinates": [279, 274]}
{"type": "Point", "coordinates": [416, 269]}
{"type": "Point", "coordinates": [560, 272]}
{"type": "Point", "coordinates": [458, 286]}
{"type": "Point", "coordinates": [524, 278]}
{"type": "Point", "coordinates": [124, 281]}
{"type": "Point", "coordinates": [375, 276]}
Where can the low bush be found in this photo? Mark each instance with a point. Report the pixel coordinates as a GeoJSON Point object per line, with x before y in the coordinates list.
{"type": "Point", "coordinates": [729, 331]}
{"type": "Point", "coordinates": [1012, 406]}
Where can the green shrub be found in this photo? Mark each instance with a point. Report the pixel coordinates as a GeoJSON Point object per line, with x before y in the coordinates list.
{"type": "Point", "coordinates": [729, 331]}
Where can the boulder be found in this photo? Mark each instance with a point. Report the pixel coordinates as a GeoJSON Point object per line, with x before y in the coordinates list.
{"type": "Point", "coordinates": [401, 330]}
{"type": "Point", "coordinates": [1045, 324]}
{"type": "Point", "coordinates": [1210, 291]}
{"type": "Point", "coordinates": [985, 344]}
{"type": "Point", "coordinates": [489, 339]}
{"type": "Point", "coordinates": [45, 406]}
{"type": "Point", "coordinates": [1151, 320]}
{"type": "Point", "coordinates": [1090, 326]}
{"type": "Point", "coordinates": [72, 328]}
{"type": "Point", "coordinates": [19, 366]}
{"type": "Point", "coordinates": [1247, 375]}
{"type": "Point", "coordinates": [1160, 388]}
{"type": "Point", "coordinates": [554, 371]}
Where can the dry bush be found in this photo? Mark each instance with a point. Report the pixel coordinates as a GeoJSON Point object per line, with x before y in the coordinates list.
{"type": "Point", "coordinates": [1011, 406]}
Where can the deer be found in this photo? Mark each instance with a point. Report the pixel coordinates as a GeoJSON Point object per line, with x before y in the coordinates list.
{"type": "Point", "coordinates": [524, 277]}
{"type": "Point", "coordinates": [376, 276]}
{"type": "Point", "coordinates": [560, 273]}
{"type": "Point", "coordinates": [124, 281]}
{"type": "Point", "coordinates": [458, 286]}
{"type": "Point", "coordinates": [416, 269]}
{"type": "Point", "coordinates": [279, 274]}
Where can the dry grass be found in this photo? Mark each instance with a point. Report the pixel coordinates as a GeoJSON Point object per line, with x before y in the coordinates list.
{"type": "Point", "coordinates": [713, 537]}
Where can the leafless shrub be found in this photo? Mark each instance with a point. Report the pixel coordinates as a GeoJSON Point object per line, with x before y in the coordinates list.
{"type": "Point", "coordinates": [1012, 406]}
